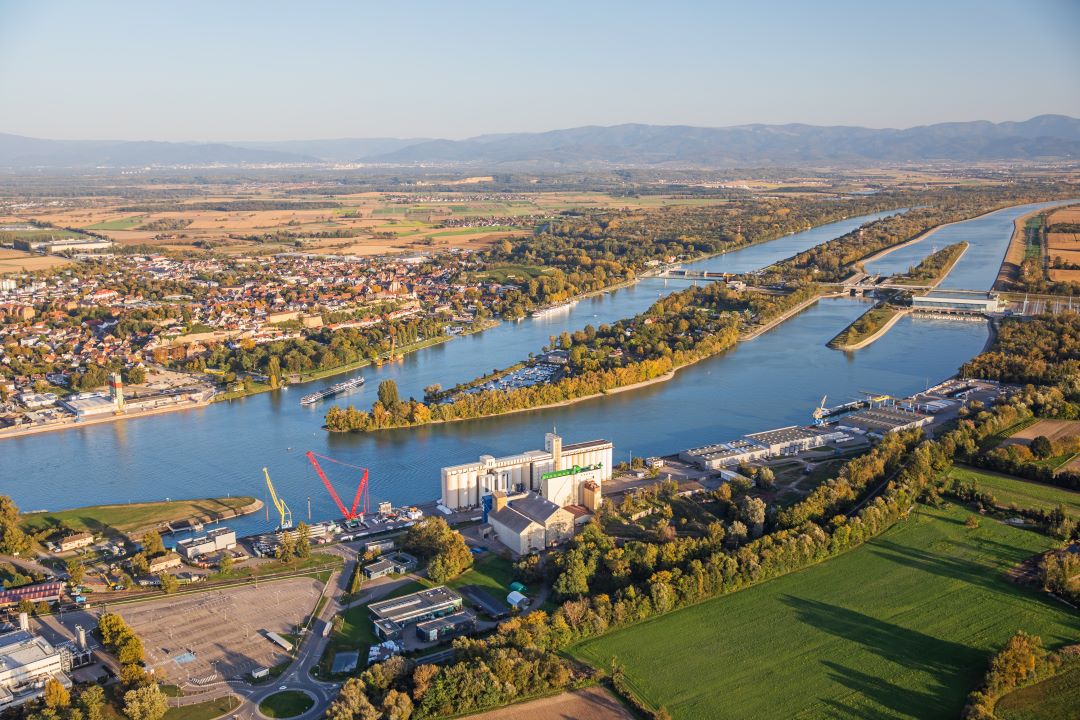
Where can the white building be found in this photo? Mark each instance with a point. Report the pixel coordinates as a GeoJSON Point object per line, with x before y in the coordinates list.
{"type": "Point", "coordinates": [558, 473]}
{"type": "Point", "coordinates": [26, 662]}
{"type": "Point", "coordinates": [214, 541]}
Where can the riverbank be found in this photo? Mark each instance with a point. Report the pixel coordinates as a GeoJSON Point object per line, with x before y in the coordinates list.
{"type": "Point", "coordinates": [136, 519]}
{"type": "Point", "coordinates": [784, 317]}
{"type": "Point", "coordinates": [17, 431]}
{"type": "Point", "coordinates": [881, 319]}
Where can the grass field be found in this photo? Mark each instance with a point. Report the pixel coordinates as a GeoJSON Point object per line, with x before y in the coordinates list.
{"type": "Point", "coordinates": [900, 627]}
{"type": "Point", "coordinates": [205, 710]}
{"type": "Point", "coordinates": [132, 517]}
{"type": "Point", "coordinates": [491, 572]}
{"type": "Point", "coordinates": [1057, 698]}
{"type": "Point", "coordinates": [505, 272]}
{"type": "Point", "coordinates": [1024, 493]}
{"type": "Point", "coordinates": [119, 224]}
{"type": "Point", "coordinates": [287, 704]}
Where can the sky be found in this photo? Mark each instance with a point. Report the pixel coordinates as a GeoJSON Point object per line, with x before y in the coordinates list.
{"type": "Point", "coordinates": [232, 70]}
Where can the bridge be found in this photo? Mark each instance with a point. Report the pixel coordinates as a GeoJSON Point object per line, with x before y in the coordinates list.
{"type": "Point", "coordinates": [695, 274]}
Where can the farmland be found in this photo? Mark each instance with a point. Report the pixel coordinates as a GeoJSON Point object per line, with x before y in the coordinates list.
{"type": "Point", "coordinates": [910, 638]}
{"type": "Point", "coordinates": [1008, 490]}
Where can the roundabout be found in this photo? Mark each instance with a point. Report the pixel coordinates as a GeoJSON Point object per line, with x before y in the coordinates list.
{"type": "Point", "coordinates": [286, 704]}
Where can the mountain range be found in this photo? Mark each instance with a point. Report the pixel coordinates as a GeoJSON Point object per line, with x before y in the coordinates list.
{"type": "Point", "coordinates": [1046, 137]}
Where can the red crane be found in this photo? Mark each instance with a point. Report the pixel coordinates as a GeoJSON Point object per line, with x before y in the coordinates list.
{"type": "Point", "coordinates": [361, 489]}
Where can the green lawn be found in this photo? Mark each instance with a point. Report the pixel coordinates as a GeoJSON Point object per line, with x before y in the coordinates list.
{"type": "Point", "coordinates": [286, 704]}
{"type": "Point", "coordinates": [119, 224]}
{"type": "Point", "coordinates": [491, 572]}
{"type": "Point", "coordinates": [1057, 698]}
{"type": "Point", "coordinates": [900, 627]}
{"type": "Point", "coordinates": [504, 272]}
{"type": "Point", "coordinates": [205, 710]}
{"type": "Point", "coordinates": [1008, 490]}
{"type": "Point", "coordinates": [132, 517]}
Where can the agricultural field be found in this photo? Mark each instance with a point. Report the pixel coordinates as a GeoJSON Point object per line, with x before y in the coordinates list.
{"type": "Point", "coordinates": [1008, 490]}
{"type": "Point", "coordinates": [368, 223]}
{"type": "Point", "coordinates": [14, 261]}
{"type": "Point", "coordinates": [1057, 698]}
{"type": "Point", "coordinates": [910, 638]}
{"type": "Point", "coordinates": [1065, 246]}
{"type": "Point", "coordinates": [1053, 429]}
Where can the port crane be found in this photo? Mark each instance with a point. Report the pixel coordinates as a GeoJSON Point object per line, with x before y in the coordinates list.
{"type": "Point", "coordinates": [279, 503]}
{"type": "Point", "coordinates": [361, 489]}
{"type": "Point", "coordinates": [820, 411]}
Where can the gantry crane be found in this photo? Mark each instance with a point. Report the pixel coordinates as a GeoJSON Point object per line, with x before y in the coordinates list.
{"type": "Point", "coordinates": [279, 503]}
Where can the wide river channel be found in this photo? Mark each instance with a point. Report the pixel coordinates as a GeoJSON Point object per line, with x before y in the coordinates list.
{"type": "Point", "coordinates": [774, 380]}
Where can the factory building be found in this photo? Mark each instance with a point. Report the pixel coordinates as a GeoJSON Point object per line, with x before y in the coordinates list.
{"type": "Point", "coordinates": [883, 420]}
{"type": "Point", "coordinates": [390, 617]}
{"type": "Point", "coordinates": [214, 541]}
{"type": "Point", "coordinates": [40, 592]}
{"type": "Point", "coordinates": [527, 522]}
{"type": "Point", "coordinates": [760, 446]}
{"type": "Point", "coordinates": [26, 663]}
{"type": "Point", "coordinates": [567, 468]}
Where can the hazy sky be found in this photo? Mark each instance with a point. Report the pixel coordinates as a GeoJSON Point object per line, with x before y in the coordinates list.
{"type": "Point", "coordinates": [261, 70]}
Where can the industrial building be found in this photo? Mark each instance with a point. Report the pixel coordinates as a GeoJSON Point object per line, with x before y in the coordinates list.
{"type": "Point", "coordinates": [214, 541]}
{"type": "Point", "coordinates": [958, 301]}
{"type": "Point", "coordinates": [527, 522]}
{"type": "Point", "coordinates": [446, 626]}
{"type": "Point", "coordinates": [759, 446]}
{"type": "Point", "coordinates": [390, 617]}
{"type": "Point", "coordinates": [567, 469]}
{"type": "Point", "coordinates": [39, 592]}
{"type": "Point", "coordinates": [883, 420]}
{"type": "Point", "coordinates": [26, 663]}
{"type": "Point", "coordinates": [397, 563]}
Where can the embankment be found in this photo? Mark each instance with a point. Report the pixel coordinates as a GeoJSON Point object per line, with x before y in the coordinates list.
{"type": "Point", "coordinates": [867, 328]}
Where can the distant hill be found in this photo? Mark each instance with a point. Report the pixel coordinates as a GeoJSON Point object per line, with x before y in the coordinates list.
{"type": "Point", "coordinates": [17, 151]}
{"type": "Point", "coordinates": [1044, 137]}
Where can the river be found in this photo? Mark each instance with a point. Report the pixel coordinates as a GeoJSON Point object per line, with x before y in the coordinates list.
{"type": "Point", "coordinates": [987, 236]}
{"type": "Point", "coordinates": [774, 380]}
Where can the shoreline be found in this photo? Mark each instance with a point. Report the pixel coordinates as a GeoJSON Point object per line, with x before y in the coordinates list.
{"type": "Point", "coordinates": [105, 419]}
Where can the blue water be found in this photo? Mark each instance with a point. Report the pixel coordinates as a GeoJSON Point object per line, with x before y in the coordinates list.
{"type": "Point", "coordinates": [987, 237]}
{"type": "Point", "coordinates": [774, 380]}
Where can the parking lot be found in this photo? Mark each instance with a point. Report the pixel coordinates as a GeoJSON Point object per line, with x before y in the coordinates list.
{"type": "Point", "coordinates": [221, 633]}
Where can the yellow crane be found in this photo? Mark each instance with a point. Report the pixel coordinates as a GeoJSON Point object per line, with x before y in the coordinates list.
{"type": "Point", "coordinates": [279, 503]}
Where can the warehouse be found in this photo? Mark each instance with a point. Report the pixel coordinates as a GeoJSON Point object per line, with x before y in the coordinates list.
{"type": "Point", "coordinates": [466, 485]}
{"type": "Point", "coordinates": [794, 439]}
{"type": "Point", "coordinates": [759, 446]}
{"type": "Point", "coordinates": [390, 617]}
{"type": "Point", "coordinates": [528, 523]}
{"type": "Point", "coordinates": [882, 420]}
{"type": "Point", "coordinates": [41, 592]}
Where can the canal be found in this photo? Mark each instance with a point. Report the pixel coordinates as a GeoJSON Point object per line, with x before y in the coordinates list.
{"type": "Point", "coordinates": [774, 380]}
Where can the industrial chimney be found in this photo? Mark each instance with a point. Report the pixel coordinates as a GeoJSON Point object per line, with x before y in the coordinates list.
{"type": "Point", "coordinates": [80, 632]}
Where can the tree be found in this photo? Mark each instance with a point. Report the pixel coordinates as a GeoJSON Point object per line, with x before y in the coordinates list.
{"type": "Point", "coordinates": [169, 583]}
{"type": "Point", "coordinates": [56, 695]}
{"type": "Point", "coordinates": [112, 628]}
{"type": "Point", "coordinates": [574, 580]}
{"type": "Point", "coordinates": [1041, 447]}
{"type": "Point", "coordinates": [145, 703]}
{"type": "Point", "coordinates": [152, 544]}
{"type": "Point", "coordinates": [76, 571]}
{"type": "Point", "coordinates": [139, 564]}
{"type": "Point", "coordinates": [388, 394]}
{"type": "Point", "coordinates": [273, 371]}
{"type": "Point", "coordinates": [766, 478]}
{"type": "Point", "coordinates": [752, 512]}
{"type": "Point", "coordinates": [303, 540]}
{"type": "Point", "coordinates": [130, 651]}
{"type": "Point", "coordinates": [136, 375]}
{"type": "Point", "coordinates": [285, 547]}
{"type": "Point", "coordinates": [225, 565]}
{"type": "Point", "coordinates": [397, 706]}
{"type": "Point", "coordinates": [736, 533]}
{"type": "Point", "coordinates": [91, 701]}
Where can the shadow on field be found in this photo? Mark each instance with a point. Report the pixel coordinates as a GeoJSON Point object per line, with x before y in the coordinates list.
{"type": "Point", "coordinates": [954, 666]}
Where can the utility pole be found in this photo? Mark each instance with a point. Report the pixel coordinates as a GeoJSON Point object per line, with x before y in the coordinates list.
{"type": "Point", "coordinates": [309, 507]}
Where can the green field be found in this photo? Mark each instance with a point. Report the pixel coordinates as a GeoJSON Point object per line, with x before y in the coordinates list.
{"type": "Point", "coordinates": [510, 272]}
{"type": "Point", "coordinates": [491, 572]}
{"type": "Point", "coordinates": [205, 710]}
{"type": "Point", "coordinates": [131, 517]}
{"type": "Point", "coordinates": [1008, 490]}
{"type": "Point", "coordinates": [900, 627]}
{"type": "Point", "coordinates": [287, 704]}
{"type": "Point", "coordinates": [120, 224]}
{"type": "Point", "coordinates": [1057, 698]}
